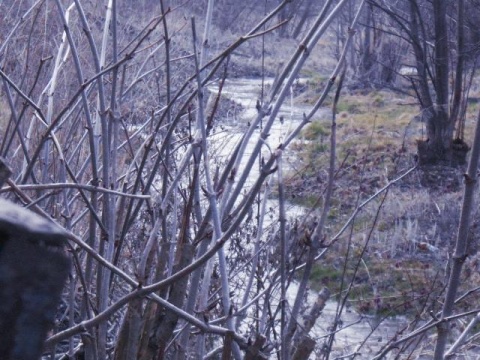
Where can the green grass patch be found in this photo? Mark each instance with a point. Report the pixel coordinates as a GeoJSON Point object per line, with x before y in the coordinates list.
{"type": "Point", "coordinates": [382, 287]}
{"type": "Point", "coordinates": [369, 138]}
{"type": "Point", "coordinates": [314, 131]}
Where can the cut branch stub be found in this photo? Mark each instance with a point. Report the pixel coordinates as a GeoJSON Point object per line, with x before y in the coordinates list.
{"type": "Point", "coordinates": [33, 269]}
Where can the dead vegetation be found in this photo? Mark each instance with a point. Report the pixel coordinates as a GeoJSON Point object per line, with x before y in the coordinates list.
{"type": "Point", "coordinates": [401, 241]}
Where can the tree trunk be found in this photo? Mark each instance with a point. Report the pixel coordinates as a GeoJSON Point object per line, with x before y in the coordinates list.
{"type": "Point", "coordinates": [439, 147]}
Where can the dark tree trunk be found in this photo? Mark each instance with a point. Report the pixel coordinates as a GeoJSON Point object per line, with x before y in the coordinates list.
{"type": "Point", "coordinates": [368, 55]}
{"type": "Point", "coordinates": [439, 147]}
{"type": "Point", "coordinates": [440, 127]}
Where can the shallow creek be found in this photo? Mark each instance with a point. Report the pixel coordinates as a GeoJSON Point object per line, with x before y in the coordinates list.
{"type": "Point", "coordinates": [355, 328]}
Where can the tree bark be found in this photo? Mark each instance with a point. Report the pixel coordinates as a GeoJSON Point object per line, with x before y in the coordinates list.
{"type": "Point", "coordinates": [443, 136]}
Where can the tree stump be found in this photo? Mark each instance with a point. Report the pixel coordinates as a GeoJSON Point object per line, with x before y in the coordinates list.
{"type": "Point", "coordinates": [456, 155]}
{"type": "Point", "coordinates": [33, 270]}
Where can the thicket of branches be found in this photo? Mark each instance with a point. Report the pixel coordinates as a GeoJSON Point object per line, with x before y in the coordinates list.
{"type": "Point", "coordinates": [105, 125]}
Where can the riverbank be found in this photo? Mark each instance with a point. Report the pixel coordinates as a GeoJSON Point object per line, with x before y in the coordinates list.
{"type": "Point", "coordinates": [390, 264]}
{"type": "Point", "coordinates": [393, 257]}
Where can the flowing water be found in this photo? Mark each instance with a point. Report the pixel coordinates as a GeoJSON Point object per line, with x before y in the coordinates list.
{"type": "Point", "coordinates": [355, 327]}
{"type": "Point", "coordinates": [243, 94]}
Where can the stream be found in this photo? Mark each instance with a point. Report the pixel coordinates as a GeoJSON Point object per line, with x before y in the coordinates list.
{"type": "Point", "coordinates": [355, 327]}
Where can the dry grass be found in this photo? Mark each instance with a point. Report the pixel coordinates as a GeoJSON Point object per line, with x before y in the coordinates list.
{"type": "Point", "coordinates": [403, 258]}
